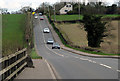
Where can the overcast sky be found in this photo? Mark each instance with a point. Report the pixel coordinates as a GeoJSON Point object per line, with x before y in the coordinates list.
{"type": "Point", "coordinates": [13, 5]}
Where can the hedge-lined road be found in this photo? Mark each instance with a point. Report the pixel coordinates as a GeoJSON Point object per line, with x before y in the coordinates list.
{"type": "Point", "coordinates": [67, 65]}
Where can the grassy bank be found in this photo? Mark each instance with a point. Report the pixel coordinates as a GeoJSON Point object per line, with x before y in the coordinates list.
{"type": "Point", "coordinates": [76, 17]}
{"type": "Point", "coordinates": [77, 36]}
{"type": "Point", "coordinates": [13, 36]}
{"type": "Point", "coordinates": [73, 36]}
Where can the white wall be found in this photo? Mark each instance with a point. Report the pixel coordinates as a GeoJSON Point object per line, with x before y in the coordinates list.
{"type": "Point", "coordinates": [62, 11]}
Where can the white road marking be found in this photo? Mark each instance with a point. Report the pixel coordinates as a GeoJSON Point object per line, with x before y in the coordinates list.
{"type": "Point", "coordinates": [76, 57]}
{"type": "Point", "coordinates": [83, 59]}
{"type": "Point", "coordinates": [105, 66]}
{"type": "Point", "coordinates": [50, 69]}
{"type": "Point", "coordinates": [118, 70]}
{"type": "Point", "coordinates": [94, 62]}
{"type": "Point", "coordinates": [90, 60]}
{"type": "Point", "coordinates": [54, 51]}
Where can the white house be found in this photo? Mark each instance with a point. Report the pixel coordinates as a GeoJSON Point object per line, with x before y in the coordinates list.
{"type": "Point", "coordinates": [66, 8]}
{"type": "Point", "coordinates": [0, 12]}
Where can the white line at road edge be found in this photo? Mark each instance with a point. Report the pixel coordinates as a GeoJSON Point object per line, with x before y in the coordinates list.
{"type": "Point", "coordinates": [50, 69]}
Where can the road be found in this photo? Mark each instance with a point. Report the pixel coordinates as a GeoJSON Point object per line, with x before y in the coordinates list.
{"type": "Point", "coordinates": [67, 65]}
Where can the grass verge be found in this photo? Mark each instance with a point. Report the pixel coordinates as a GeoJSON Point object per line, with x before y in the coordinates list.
{"type": "Point", "coordinates": [34, 54]}
{"type": "Point", "coordinates": [91, 52]}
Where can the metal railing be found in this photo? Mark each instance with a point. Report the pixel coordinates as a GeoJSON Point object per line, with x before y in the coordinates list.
{"type": "Point", "coordinates": [12, 65]}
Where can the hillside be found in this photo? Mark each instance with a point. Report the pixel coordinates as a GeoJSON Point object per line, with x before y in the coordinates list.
{"type": "Point", "coordinates": [75, 34]}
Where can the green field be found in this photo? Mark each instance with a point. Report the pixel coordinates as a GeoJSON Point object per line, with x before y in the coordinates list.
{"type": "Point", "coordinates": [67, 17]}
{"type": "Point", "coordinates": [13, 36]}
{"type": "Point", "coordinates": [76, 17]}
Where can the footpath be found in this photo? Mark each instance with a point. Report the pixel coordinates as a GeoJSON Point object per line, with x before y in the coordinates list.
{"type": "Point", "coordinates": [40, 71]}
{"type": "Point", "coordinates": [57, 39]}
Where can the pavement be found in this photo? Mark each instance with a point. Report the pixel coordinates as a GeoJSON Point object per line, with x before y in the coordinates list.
{"type": "Point", "coordinates": [41, 70]}
{"type": "Point", "coordinates": [56, 38]}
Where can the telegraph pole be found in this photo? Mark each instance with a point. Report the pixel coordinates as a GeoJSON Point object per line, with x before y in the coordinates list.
{"type": "Point", "coordinates": [79, 8]}
{"type": "Point", "coordinates": [54, 13]}
{"type": "Point", "coordinates": [48, 11]}
{"type": "Point", "coordinates": [43, 8]}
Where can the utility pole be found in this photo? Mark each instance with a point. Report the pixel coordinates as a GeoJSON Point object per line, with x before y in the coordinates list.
{"type": "Point", "coordinates": [43, 8]}
{"type": "Point", "coordinates": [48, 11]}
{"type": "Point", "coordinates": [54, 13]}
{"type": "Point", "coordinates": [79, 8]}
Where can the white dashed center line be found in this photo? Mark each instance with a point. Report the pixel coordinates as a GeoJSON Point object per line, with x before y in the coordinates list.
{"type": "Point", "coordinates": [105, 66]}
{"type": "Point", "coordinates": [83, 59]}
{"type": "Point", "coordinates": [118, 70]}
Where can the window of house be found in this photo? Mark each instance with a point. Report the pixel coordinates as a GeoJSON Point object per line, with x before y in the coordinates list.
{"type": "Point", "coordinates": [67, 6]}
{"type": "Point", "coordinates": [66, 10]}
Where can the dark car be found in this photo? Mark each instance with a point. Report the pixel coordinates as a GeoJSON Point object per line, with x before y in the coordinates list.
{"type": "Point", "coordinates": [56, 46]}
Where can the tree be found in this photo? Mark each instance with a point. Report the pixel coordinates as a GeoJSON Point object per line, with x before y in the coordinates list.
{"type": "Point", "coordinates": [43, 8]}
{"type": "Point", "coordinates": [95, 29]}
{"type": "Point", "coordinates": [4, 10]}
{"type": "Point", "coordinates": [112, 9]}
{"type": "Point", "coordinates": [26, 9]}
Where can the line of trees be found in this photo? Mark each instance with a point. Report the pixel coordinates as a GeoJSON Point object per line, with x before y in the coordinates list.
{"type": "Point", "coordinates": [95, 8]}
{"type": "Point", "coordinates": [91, 8]}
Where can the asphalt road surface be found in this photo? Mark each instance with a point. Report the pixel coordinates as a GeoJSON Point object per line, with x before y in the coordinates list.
{"type": "Point", "coordinates": [67, 65]}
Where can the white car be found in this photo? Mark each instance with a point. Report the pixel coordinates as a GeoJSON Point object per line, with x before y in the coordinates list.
{"type": "Point", "coordinates": [36, 17]}
{"type": "Point", "coordinates": [46, 30]}
{"type": "Point", "coordinates": [50, 41]}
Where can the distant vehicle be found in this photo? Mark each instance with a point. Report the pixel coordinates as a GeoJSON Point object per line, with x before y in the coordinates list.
{"type": "Point", "coordinates": [56, 46]}
{"type": "Point", "coordinates": [41, 18]}
{"type": "Point", "coordinates": [50, 41]}
{"type": "Point", "coordinates": [46, 30]}
{"type": "Point", "coordinates": [40, 14]}
{"type": "Point", "coordinates": [35, 14]}
{"type": "Point", "coordinates": [36, 17]}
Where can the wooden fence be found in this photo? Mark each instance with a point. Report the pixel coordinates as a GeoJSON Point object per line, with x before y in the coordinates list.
{"type": "Point", "coordinates": [12, 65]}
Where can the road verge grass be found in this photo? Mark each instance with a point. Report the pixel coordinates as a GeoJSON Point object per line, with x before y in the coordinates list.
{"type": "Point", "coordinates": [34, 54]}
{"type": "Point", "coordinates": [91, 52]}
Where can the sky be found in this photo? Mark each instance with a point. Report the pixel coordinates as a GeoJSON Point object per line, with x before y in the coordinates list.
{"type": "Point", "coordinates": [14, 5]}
